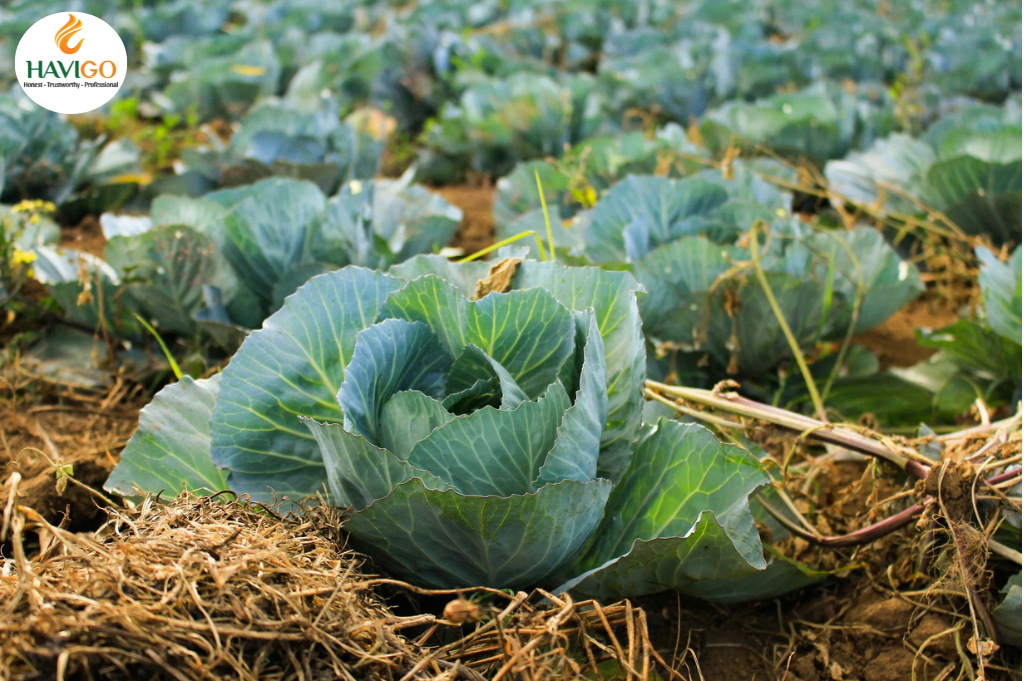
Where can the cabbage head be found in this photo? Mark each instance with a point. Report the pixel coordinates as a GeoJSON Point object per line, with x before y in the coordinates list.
{"type": "Point", "coordinates": [477, 439]}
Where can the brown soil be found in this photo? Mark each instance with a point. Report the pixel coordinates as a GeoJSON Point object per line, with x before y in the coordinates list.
{"type": "Point", "coordinates": [843, 631]}
{"type": "Point", "coordinates": [85, 236]}
{"type": "Point", "coordinates": [894, 342]}
{"type": "Point", "coordinates": [85, 432]}
{"type": "Point", "coordinates": [477, 228]}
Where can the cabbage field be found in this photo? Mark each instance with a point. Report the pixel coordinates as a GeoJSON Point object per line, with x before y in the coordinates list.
{"type": "Point", "coordinates": [516, 339]}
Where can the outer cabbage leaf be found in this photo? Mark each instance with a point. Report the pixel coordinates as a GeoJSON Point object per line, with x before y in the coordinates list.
{"type": "Point", "coordinates": [204, 215]}
{"type": "Point", "coordinates": [359, 473]}
{"type": "Point", "coordinates": [976, 345]}
{"type": "Point", "coordinates": [677, 277]}
{"type": "Point", "coordinates": [679, 515]}
{"type": "Point", "coordinates": [820, 122]}
{"type": "Point", "coordinates": [289, 282]}
{"type": "Point", "coordinates": [642, 213]}
{"type": "Point", "coordinates": [444, 539]}
{"type": "Point", "coordinates": [375, 223]}
{"type": "Point", "coordinates": [221, 77]}
{"type": "Point", "coordinates": [462, 276]}
{"type": "Point", "coordinates": [645, 69]}
{"type": "Point", "coordinates": [499, 122]}
{"type": "Point", "coordinates": [271, 231]}
{"type": "Point", "coordinates": [70, 357]}
{"type": "Point", "coordinates": [872, 280]}
{"type": "Point", "coordinates": [314, 146]}
{"type": "Point", "coordinates": [1007, 614]}
{"type": "Point", "coordinates": [170, 451]}
{"type": "Point", "coordinates": [595, 164]}
{"type": "Point", "coordinates": [124, 225]}
{"type": "Point", "coordinates": [516, 193]}
{"type": "Point", "coordinates": [967, 165]}
{"type": "Point", "coordinates": [980, 197]}
{"type": "Point", "coordinates": [412, 219]}
{"type": "Point", "coordinates": [1001, 293]}
{"type": "Point", "coordinates": [87, 303]}
{"type": "Point", "coordinates": [41, 152]}
{"type": "Point", "coordinates": [822, 281]}
{"type": "Point", "coordinates": [888, 171]}
{"type": "Point", "coordinates": [292, 367]}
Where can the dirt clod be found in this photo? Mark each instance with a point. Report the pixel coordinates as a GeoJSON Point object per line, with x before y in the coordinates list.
{"type": "Point", "coordinates": [894, 342]}
{"type": "Point", "coordinates": [934, 635]}
{"type": "Point", "coordinates": [888, 615]}
{"type": "Point", "coordinates": [477, 228]}
{"type": "Point", "coordinates": [951, 484]}
{"type": "Point", "coordinates": [891, 664]}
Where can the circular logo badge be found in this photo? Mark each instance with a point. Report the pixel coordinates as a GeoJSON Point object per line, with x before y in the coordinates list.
{"type": "Point", "coordinates": [71, 62]}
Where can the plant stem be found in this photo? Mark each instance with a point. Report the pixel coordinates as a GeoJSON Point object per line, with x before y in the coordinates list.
{"type": "Point", "coordinates": [1005, 551]}
{"type": "Point", "coordinates": [865, 535]}
{"type": "Point", "coordinates": [818, 430]}
{"type": "Point", "coordinates": [1009, 423]}
{"type": "Point", "coordinates": [812, 389]}
{"type": "Point", "coordinates": [1003, 477]}
{"type": "Point", "coordinates": [683, 409]}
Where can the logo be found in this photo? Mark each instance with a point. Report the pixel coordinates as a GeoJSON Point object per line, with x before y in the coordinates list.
{"type": "Point", "coordinates": [71, 63]}
{"type": "Point", "coordinates": [66, 33]}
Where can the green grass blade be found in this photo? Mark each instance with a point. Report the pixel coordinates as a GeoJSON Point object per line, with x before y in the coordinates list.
{"type": "Point", "coordinates": [163, 346]}
{"type": "Point", "coordinates": [547, 220]}
{"type": "Point", "coordinates": [505, 242]}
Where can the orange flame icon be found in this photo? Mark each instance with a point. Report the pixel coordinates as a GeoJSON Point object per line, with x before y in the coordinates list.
{"type": "Point", "coordinates": [66, 33]}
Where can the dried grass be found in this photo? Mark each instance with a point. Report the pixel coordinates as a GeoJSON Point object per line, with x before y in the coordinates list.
{"type": "Point", "coordinates": [211, 589]}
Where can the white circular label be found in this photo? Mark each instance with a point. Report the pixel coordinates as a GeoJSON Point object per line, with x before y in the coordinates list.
{"type": "Point", "coordinates": [71, 62]}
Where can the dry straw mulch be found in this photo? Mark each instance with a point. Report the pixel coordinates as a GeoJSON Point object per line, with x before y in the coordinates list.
{"type": "Point", "coordinates": [211, 589]}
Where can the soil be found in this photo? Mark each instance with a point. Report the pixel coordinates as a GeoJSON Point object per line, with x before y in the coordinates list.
{"type": "Point", "coordinates": [894, 342]}
{"type": "Point", "coordinates": [477, 228]}
{"type": "Point", "coordinates": [85, 236]}
{"type": "Point", "coordinates": [843, 631]}
{"type": "Point", "coordinates": [84, 432]}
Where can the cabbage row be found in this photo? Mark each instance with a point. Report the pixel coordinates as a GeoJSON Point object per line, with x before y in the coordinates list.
{"type": "Point", "coordinates": [219, 264]}
{"type": "Point", "coordinates": [795, 79]}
